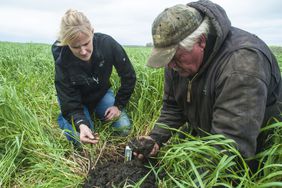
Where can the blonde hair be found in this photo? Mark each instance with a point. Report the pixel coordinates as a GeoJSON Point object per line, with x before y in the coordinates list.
{"type": "Point", "coordinates": [190, 40]}
{"type": "Point", "coordinates": [73, 23]}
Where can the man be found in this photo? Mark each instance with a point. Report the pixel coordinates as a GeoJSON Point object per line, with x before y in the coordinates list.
{"type": "Point", "coordinates": [218, 78]}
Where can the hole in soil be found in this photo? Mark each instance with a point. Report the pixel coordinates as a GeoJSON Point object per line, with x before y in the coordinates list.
{"type": "Point", "coordinates": [113, 171]}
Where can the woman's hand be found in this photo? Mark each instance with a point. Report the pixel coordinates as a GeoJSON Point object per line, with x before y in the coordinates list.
{"type": "Point", "coordinates": [111, 113]}
{"type": "Point", "coordinates": [86, 135]}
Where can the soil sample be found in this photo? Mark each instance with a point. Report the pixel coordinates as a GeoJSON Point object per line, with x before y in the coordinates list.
{"type": "Point", "coordinates": [116, 172]}
{"type": "Point", "coordinates": [142, 146]}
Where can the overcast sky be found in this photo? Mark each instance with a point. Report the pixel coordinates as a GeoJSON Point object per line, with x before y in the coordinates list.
{"type": "Point", "coordinates": [128, 21]}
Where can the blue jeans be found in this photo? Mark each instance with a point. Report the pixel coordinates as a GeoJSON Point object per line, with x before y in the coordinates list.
{"type": "Point", "coordinates": [122, 124]}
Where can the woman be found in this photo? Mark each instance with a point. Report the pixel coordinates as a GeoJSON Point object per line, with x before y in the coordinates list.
{"type": "Point", "coordinates": [83, 65]}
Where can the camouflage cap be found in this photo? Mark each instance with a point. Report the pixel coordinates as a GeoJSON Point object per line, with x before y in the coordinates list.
{"type": "Point", "coordinates": [170, 27]}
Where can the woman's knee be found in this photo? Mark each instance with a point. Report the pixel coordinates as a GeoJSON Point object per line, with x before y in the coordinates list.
{"type": "Point", "coordinates": [123, 125]}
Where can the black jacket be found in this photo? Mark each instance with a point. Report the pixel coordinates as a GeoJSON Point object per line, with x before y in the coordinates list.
{"type": "Point", "coordinates": [78, 83]}
{"type": "Point", "coordinates": [236, 91]}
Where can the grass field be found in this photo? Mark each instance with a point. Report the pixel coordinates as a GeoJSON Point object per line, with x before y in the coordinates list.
{"type": "Point", "coordinates": [35, 153]}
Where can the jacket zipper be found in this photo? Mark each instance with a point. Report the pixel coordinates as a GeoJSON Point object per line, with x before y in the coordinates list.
{"type": "Point", "coordinates": [189, 89]}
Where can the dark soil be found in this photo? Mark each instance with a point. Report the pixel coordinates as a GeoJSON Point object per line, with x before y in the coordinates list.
{"type": "Point", "coordinates": [115, 172]}
{"type": "Point", "coordinates": [142, 146]}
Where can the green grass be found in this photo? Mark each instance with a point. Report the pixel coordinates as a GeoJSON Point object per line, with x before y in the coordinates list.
{"type": "Point", "coordinates": [35, 153]}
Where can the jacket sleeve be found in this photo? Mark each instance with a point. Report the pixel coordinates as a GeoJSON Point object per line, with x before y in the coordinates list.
{"type": "Point", "coordinates": [69, 98]}
{"type": "Point", "coordinates": [241, 94]}
{"type": "Point", "coordinates": [126, 73]}
{"type": "Point", "coordinates": [171, 113]}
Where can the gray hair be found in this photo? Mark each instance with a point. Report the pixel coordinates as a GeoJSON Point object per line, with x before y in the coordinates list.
{"type": "Point", "coordinates": [191, 39]}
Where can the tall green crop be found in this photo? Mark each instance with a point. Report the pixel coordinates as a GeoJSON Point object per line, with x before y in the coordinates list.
{"type": "Point", "coordinates": [35, 153]}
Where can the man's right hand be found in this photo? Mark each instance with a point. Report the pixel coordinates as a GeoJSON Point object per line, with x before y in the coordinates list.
{"type": "Point", "coordinates": [86, 135]}
{"type": "Point", "coordinates": [141, 144]}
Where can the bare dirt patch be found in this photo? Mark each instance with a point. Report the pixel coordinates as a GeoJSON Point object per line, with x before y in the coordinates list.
{"type": "Point", "coordinates": [113, 171]}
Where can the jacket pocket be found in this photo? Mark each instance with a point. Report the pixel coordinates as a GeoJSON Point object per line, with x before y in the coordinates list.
{"type": "Point", "coordinates": [84, 81]}
{"type": "Point", "coordinates": [78, 80]}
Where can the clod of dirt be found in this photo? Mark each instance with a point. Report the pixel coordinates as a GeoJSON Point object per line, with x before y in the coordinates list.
{"type": "Point", "coordinates": [119, 173]}
{"type": "Point", "coordinates": [142, 146]}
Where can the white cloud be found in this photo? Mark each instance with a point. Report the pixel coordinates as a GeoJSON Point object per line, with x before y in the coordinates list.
{"type": "Point", "coordinates": [31, 25]}
{"type": "Point", "coordinates": [128, 21]}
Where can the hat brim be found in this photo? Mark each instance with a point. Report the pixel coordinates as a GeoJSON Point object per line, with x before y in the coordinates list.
{"type": "Point", "coordinates": [160, 57]}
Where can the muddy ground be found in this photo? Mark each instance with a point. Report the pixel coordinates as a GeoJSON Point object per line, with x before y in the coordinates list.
{"type": "Point", "coordinates": [118, 173]}
{"type": "Point", "coordinates": [115, 172]}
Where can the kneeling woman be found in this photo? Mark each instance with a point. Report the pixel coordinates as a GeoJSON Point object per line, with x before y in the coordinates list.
{"type": "Point", "coordinates": [83, 65]}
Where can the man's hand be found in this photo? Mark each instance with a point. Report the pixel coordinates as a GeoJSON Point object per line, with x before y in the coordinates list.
{"type": "Point", "coordinates": [144, 147]}
{"type": "Point", "coordinates": [86, 135]}
{"type": "Point", "coordinates": [111, 113]}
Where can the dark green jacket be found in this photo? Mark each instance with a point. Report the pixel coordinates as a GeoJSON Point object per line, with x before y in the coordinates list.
{"type": "Point", "coordinates": [237, 89]}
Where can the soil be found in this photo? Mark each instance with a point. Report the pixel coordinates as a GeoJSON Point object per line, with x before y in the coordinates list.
{"type": "Point", "coordinates": [116, 172]}
{"type": "Point", "coordinates": [142, 146]}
